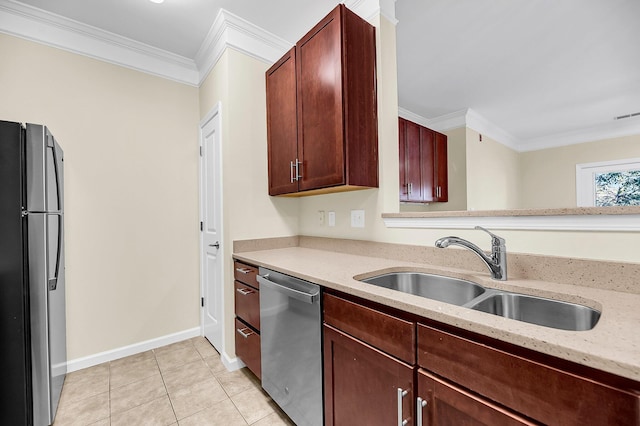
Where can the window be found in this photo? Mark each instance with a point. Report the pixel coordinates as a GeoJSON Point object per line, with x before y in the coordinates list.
{"type": "Point", "coordinates": [609, 183]}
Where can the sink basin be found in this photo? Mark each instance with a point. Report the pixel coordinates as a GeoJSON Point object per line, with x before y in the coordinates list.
{"type": "Point", "coordinates": [436, 287]}
{"type": "Point", "coordinates": [538, 310]}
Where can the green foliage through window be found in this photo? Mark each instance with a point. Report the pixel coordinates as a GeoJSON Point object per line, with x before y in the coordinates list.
{"type": "Point", "coordinates": [618, 188]}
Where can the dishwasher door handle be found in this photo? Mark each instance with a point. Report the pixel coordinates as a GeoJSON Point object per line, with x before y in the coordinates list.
{"type": "Point", "coordinates": [303, 296]}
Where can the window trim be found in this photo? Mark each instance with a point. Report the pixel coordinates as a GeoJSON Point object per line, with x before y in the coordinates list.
{"type": "Point", "coordinates": [585, 177]}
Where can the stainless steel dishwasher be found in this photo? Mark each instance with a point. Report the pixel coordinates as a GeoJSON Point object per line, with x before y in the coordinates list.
{"type": "Point", "coordinates": [290, 334]}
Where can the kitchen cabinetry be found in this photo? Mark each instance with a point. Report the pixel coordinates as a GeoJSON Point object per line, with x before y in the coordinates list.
{"type": "Point", "coordinates": [443, 403]}
{"type": "Point", "coordinates": [447, 376]}
{"type": "Point", "coordinates": [423, 164]}
{"type": "Point", "coordinates": [322, 110]}
{"type": "Point", "coordinates": [247, 307]}
{"type": "Point", "coordinates": [363, 384]}
{"type": "Point", "coordinates": [547, 390]}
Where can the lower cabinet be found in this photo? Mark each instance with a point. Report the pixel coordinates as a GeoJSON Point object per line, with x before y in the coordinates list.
{"type": "Point", "coordinates": [440, 402]}
{"type": "Point", "coordinates": [248, 347]}
{"type": "Point", "coordinates": [383, 366]}
{"type": "Point", "coordinates": [247, 307]}
{"type": "Point", "coordinates": [364, 386]}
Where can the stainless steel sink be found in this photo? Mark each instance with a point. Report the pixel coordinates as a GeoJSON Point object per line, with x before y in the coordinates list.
{"type": "Point", "coordinates": [537, 310]}
{"type": "Point", "coordinates": [436, 287]}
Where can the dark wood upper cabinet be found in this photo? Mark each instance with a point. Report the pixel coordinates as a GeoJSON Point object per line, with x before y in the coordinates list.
{"type": "Point", "coordinates": [322, 127]}
{"type": "Point", "coordinates": [282, 124]}
{"type": "Point", "coordinates": [423, 164]}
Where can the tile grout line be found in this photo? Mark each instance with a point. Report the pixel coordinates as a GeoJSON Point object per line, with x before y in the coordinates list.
{"type": "Point", "coordinates": [165, 388]}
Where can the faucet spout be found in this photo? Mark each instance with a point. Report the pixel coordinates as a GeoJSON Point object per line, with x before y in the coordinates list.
{"type": "Point", "coordinates": [497, 262]}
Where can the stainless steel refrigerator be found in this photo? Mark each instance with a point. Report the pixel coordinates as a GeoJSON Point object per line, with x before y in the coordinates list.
{"type": "Point", "coordinates": [33, 351]}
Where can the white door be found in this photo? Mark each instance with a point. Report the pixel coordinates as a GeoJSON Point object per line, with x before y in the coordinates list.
{"type": "Point", "coordinates": [211, 236]}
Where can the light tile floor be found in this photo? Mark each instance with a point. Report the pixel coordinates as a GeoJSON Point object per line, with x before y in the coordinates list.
{"type": "Point", "coordinates": [180, 384]}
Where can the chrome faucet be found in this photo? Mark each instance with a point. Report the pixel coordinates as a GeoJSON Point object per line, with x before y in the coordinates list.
{"type": "Point", "coordinates": [497, 263]}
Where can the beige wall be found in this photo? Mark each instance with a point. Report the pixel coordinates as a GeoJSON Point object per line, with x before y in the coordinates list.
{"type": "Point", "coordinates": [238, 83]}
{"type": "Point", "coordinates": [131, 173]}
{"type": "Point", "coordinates": [548, 176]}
{"type": "Point", "coordinates": [492, 174]}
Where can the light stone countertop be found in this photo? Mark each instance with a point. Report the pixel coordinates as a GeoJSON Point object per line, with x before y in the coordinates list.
{"type": "Point", "coordinates": [566, 211]}
{"type": "Point", "coordinates": [613, 345]}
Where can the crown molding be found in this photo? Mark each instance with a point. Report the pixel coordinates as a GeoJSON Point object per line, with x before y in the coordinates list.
{"type": "Point", "coordinates": [31, 23]}
{"type": "Point", "coordinates": [612, 129]}
{"type": "Point", "coordinates": [463, 118]}
{"type": "Point", "coordinates": [481, 125]}
{"type": "Point", "coordinates": [231, 31]}
{"type": "Point", "coordinates": [227, 31]}
{"type": "Point", "coordinates": [471, 119]}
{"type": "Point", "coordinates": [441, 123]}
{"type": "Point", "coordinates": [369, 9]}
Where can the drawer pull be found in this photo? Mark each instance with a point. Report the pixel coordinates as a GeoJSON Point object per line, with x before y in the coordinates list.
{"type": "Point", "coordinates": [243, 270]}
{"type": "Point", "coordinates": [401, 394]}
{"type": "Point", "coordinates": [421, 404]}
{"type": "Point", "coordinates": [243, 333]}
{"type": "Point", "coordinates": [244, 291]}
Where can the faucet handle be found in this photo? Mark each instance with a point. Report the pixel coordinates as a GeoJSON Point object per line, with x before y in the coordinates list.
{"type": "Point", "coordinates": [496, 241]}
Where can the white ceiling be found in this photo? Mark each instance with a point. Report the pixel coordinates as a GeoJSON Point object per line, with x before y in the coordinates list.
{"type": "Point", "coordinates": [533, 68]}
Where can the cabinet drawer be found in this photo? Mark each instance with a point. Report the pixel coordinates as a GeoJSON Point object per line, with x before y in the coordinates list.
{"type": "Point", "coordinates": [248, 347]}
{"type": "Point", "coordinates": [539, 391]}
{"type": "Point", "coordinates": [247, 303]}
{"type": "Point", "coordinates": [245, 273]}
{"type": "Point", "coordinates": [390, 334]}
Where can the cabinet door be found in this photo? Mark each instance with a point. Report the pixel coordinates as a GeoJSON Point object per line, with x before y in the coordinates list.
{"type": "Point", "coordinates": [427, 163]}
{"type": "Point", "coordinates": [447, 404]}
{"type": "Point", "coordinates": [402, 126]}
{"type": "Point", "coordinates": [413, 160]}
{"type": "Point", "coordinates": [320, 133]}
{"type": "Point", "coordinates": [282, 129]}
{"type": "Point", "coordinates": [441, 189]}
{"type": "Point", "coordinates": [361, 383]}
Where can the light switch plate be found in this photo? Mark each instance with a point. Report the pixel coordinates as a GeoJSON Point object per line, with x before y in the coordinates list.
{"type": "Point", "coordinates": [331, 218]}
{"type": "Point", "coordinates": [357, 218]}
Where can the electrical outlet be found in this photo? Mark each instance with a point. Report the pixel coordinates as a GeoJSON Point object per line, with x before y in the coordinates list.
{"type": "Point", "coordinates": [321, 217]}
{"type": "Point", "coordinates": [357, 218]}
{"type": "Point", "coordinates": [331, 216]}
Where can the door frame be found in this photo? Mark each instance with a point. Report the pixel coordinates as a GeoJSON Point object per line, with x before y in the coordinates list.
{"type": "Point", "coordinates": [214, 114]}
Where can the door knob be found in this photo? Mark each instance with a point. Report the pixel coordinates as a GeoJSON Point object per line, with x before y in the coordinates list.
{"type": "Point", "coordinates": [216, 245]}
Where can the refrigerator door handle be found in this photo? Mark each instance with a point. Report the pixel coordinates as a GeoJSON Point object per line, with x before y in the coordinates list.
{"type": "Point", "coordinates": [53, 281]}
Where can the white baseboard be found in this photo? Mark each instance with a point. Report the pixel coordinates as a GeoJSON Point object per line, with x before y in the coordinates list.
{"type": "Point", "coordinates": [113, 354]}
{"type": "Point", "coordinates": [232, 364]}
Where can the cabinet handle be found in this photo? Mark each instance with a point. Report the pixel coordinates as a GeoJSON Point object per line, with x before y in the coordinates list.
{"type": "Point", "coordinates": [244, 291]}
{"type": "Point", "coordinates": [420, 405]}
{"type": "Point", "coordinates": [298, 169]}
{"type": "Point", "coordinates": [409, 187]}
{"type": "Point", "coordinates": [242, 332]}
{"type": "Point", "coordinates": [401, 394]}
{"type": "Point", "coordinates": [243, 270]}
{"type": "Point", "coordinates": [298, 173]}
